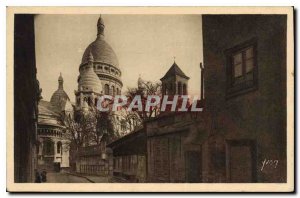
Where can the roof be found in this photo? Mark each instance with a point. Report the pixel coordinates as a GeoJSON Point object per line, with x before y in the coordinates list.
{"type": "Point", "coordinates": [102, 52]}
{"type": "Point", "coordinates": [174, 70]}
{"type": "Point", "coordinates": [49, 114]}
{"type": "Point", "coordinates": [59, 98]}
{"type": "Point", "coordinates": [126, 137]}
{"type": "Point", "coordinates": [89, 81]}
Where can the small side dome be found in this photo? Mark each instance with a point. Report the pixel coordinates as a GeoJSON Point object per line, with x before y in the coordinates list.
{"type": "Point", "coordinates": [89, 81]}
{"type": "Point", "coordinates": [59, 97]}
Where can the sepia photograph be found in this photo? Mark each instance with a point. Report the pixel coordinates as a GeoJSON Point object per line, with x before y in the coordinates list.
{"type": "Point", "coordinates": [134, 99]}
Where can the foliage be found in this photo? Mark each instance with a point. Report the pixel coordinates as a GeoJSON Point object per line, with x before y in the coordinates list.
{"type": "Point", "coordinates": [145, 89]}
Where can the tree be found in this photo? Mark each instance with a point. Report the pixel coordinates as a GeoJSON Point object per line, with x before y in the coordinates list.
{"type": "Point", "coordinates": [80, 131]}
{"type": "Point", "coordinates": [89, 127]}
{"type": "Point", "coordinates": [145, 89]}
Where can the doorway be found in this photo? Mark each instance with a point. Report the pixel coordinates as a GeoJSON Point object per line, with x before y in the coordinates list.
{"type": "Point", "coordinates": [193, 166]}
{"type": "Point", "coordinates": [242, 161]}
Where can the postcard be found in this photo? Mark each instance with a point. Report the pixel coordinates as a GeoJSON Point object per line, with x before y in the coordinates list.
{"type": "Point", "coordinates": [150, 99]}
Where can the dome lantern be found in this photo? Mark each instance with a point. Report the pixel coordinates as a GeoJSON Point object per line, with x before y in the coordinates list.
{"type": "Point", "coordinates": [60, 82]}
{"type": "Point", "coordinates": [100, 26]}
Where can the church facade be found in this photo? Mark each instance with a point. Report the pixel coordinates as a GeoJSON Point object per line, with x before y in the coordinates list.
{"type": "Point", "coordinates": [99, 75]}
{"type": "Point", "coordinates": [53, 146]}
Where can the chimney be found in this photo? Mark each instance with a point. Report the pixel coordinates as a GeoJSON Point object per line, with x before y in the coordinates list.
{"type": "Point", "coordinates": [202, 81]}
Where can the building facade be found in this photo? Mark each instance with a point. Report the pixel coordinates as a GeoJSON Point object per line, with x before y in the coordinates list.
{"type": "Point", "coordinates": [130, 157]}
{"type": "Point", "coordinates": [245, 91]}
{"type": "Point", "coordinates": [95, 160]}
{"type": "Point", "coordinates": [26, 98]}
{"type": "Point", "coordinates": [53, 145]}
{"type": "Point", "coordinates": [173, 138]}
{"type": "Point", "coordinates": [99, 75]}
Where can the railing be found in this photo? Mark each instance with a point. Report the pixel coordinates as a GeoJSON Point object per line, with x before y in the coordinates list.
{"type": "Point", "coordinates": [94, 169]}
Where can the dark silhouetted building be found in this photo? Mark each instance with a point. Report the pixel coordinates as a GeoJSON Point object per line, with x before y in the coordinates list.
{"type": "Point", "coordinates": [26, 97]}
{"type": "Point", "coordinates": [245, 93]}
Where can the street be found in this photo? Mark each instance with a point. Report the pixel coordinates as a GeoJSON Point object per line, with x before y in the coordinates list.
{"type": "Point", "coordinates": [53, 177]}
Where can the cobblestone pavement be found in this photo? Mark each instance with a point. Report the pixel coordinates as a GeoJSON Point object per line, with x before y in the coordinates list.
{"type": "Point", "coordinates": [65, 178]}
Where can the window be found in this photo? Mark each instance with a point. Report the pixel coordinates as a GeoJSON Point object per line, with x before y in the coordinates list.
{"type": "Point", "coordinates": [48, 147]}
{"type": "Point", "coordinates": [113, 90]}
{"type": "Point", "coordinates": [243, 63]}
{"type": "Point", "coordinates": [90, 101]}
{"type": "Point", "coordinates": [106, 89]}
{"type": "Point", "coordinates": [170, 91]}
{"type": "Point", "coordinates": [241, 68]}
{"type": "Point", "coordinates": [58, 147]}
{"type": "Point", "coordinates": [184, 89]}
{"type": "Point", "coordinates": [179, 91]}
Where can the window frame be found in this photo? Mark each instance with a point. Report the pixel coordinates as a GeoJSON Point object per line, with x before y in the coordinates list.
{"type": "Point", "coordinates": [244, 86]}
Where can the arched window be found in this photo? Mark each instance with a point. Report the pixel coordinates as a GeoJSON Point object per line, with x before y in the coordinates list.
{"type": "Point", "coordinates": [90, 101]}
{"type": "Point", "coordinates": [118, 91]}
{"type": "Point", "coordinates": [170, 91]}
{"type": "Point", "coordinates": [179, 91]}
{"type": "Point", "coordinates": [113, 90]}
{"type": "Point", "coordinates": [106, 89]}
{"type": "Point", "coordinates": [48, 147]}
{"type": "Point", "coordinates": [96, 100]}
{"type": "Point", "coordinates": [184, 89]}
{"type": "Point", "coordinates": [58, 147]}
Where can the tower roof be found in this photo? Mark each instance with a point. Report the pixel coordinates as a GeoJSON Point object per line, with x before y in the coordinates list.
{"type": "Point", "coordinates": [174, 70]}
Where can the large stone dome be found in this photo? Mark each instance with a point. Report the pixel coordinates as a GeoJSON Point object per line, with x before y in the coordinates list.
{"type": "Point", "coordinates": [102, 52]}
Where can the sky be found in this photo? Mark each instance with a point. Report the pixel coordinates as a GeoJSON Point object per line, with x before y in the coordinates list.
{"type": "Point", "coordinates": [144, 44]}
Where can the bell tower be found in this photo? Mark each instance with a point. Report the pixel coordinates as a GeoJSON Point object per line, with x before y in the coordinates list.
{"type": "Point", "coordinates": [174, 82]}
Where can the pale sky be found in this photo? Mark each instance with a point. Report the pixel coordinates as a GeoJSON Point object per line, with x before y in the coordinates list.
{"type": "Point", "coordinates": [144, 44]}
